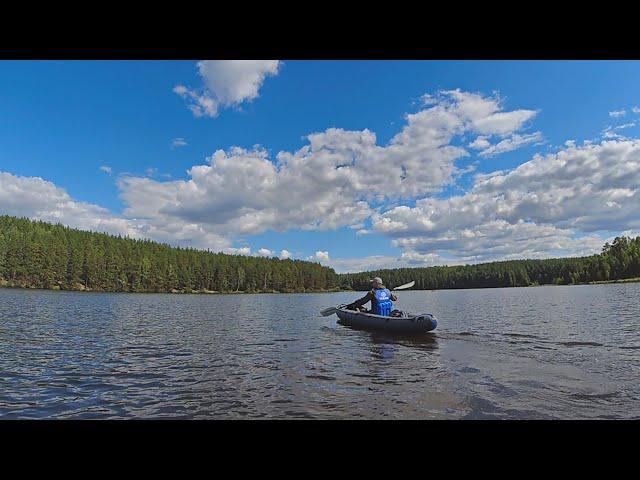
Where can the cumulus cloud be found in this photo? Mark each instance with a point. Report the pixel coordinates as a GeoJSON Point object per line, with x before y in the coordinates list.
{"type": "Point", "coordinates": [246, 251]}
{"type": "Point", "coordinates": [284, 254]}
{"type": "Point", "coordinates": [178, 142]}
{"type": "Point", "coordinates": [226, 83]}
{"type": "Point", "coordinates": [511, 143]}
{"type": "Point", "coordinates": [617, 113]}
{"type": "Point", "coordinates": [485, 116]}
{"type": "Point", "coordinates": [550, 204]}
{"type": "Point", "coordinates": [635, 109]}
{"type": "Point", "coordinates": [333, 181]}
{"type": "Point", "coordinates": [373, 262]}
{"type": "Point", "coordinates": [200, 104]}
{"type": "Point", "coordinates": [39, 199]}
{"type": "Point", "coordinates": [319, 256]}
{"type": "Point", "coordinates": [610, 132]}
{"type": "Point", "coordinates": [479, 113]}
{"type": "Point", "coordinates": [480, 143]}
{"type": "Point", "coordinates": [106, 169]}
{"type": "Point", "coordinates": [381, 262]}
{"type": "Point", "coordinates": [412, 258]}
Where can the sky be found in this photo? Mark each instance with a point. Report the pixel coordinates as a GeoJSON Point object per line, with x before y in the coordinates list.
{"type": "Point", "coordinates": [358, 165]}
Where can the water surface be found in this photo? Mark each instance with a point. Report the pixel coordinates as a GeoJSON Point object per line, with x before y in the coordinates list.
{"type": "Point", "coordinates": [567, 352]}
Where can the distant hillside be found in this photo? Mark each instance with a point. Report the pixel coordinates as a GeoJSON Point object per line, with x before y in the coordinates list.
{"type": "Point", "coordinates": [619, 260]}
{"type": "Point", "coordinates": [42, 255]}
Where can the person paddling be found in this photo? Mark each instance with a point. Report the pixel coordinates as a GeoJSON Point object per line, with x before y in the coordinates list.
{"type": "Point", "coordinates": [380, 297]}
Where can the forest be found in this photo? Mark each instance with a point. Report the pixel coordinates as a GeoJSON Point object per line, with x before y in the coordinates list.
{"type": "Point", "coordinates": [42, 255]}
{"type": "Point", "coordinates": [36, 254]}
{"type": "Point", "coordinates": [617, 261]}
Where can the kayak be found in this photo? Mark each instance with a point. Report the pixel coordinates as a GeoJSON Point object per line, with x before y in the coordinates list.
{"type": "Point", "coordinates": [408, 323]}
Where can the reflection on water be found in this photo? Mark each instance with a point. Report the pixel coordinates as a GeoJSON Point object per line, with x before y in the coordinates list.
{"type": "Point", "coordinates": [383, 345]}
{"type": "Point", "coordinates": [544, 352]}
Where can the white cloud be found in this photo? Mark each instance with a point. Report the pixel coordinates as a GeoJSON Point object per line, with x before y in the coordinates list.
{"type": "Point", "coordinates": [106, 169]}
{"type": "Point", "coordinates": [226, 83]}
{"type": "Point", "coordinates": [497, 240]}
{"type": "Point", "coordinates": [200, 104]}
{"type": "Point", "coordinates": [246, 251]}
{"type": "Point", "coordinates": [548, 205]}
{"type": "Point", "coordinates": [635, 109]}
{"type": "Point", "coordinates": [610, 131]}
{"type": "Point", "coordinates": [485, 224]}
{"type": "Point", "coordinates": [319, 256]}
{"type": "Point", "coordinates": [413, 258]}
{"type": "Point", "coordinates": [511, 143]}
{"type": "Point", "coordinates": [381, 262]}
{"type": "Point", "coordinates": [485, 115]}
{"type": "Point", "coordinates": [480, 143]}
{"type": "Point", "coordinates": [284, 254]}
{"type": "Point", "coordinates": [39, 199]}
{"type": "Point", "coordinates": [178, 142]}
{"type": "Point", "coordinates": [618, 113]}
{"type": "Point", "coordinates": [265, 252]}
{"type": "Point", "coordinates": [610, 134]}
{"type": "Point", "coordinates": [373, 262]}
{"type": "Point", "coordinates": [329, 183]}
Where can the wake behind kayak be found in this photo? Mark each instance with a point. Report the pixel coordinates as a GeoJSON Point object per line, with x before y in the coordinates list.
{"type": "Point", "coordinates": [408, 323]}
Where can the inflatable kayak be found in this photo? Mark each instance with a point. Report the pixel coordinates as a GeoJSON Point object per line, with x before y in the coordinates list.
{"type": "Point", "coordinates": [408, 323]}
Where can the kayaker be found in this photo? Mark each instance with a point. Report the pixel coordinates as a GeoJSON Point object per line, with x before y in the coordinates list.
{"type": "Point", "coordinates": [380, 297]}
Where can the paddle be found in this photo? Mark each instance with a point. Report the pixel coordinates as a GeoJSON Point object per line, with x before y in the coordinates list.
{"type": "Point", "coordinates": [331, 310]}
{"type": "Point", "coordinates": [406, 285]}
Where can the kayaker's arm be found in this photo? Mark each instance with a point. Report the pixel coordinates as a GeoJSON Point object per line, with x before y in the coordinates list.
{"type": "Point", "coordinates": [394, 298]}
{"type": "Point", "coordinates": [362, 301]}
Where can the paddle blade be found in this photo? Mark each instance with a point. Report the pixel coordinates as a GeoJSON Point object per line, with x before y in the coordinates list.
{"type": "Point", "coordinates": [405, 286]}
{"type": "Point", "coordinates": [328, 311]}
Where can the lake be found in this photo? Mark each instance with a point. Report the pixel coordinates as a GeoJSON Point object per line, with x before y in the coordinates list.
{"type": "Point", "coordinates": [552, 352]}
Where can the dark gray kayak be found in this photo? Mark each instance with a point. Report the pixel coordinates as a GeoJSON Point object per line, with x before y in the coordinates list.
{"type": "Point", "coordinates": [409, 323]}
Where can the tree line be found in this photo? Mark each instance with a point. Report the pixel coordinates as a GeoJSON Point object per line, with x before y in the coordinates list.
{"type": "Point", "coordinates": [618, 260]}
{"type": "Point", "coordinates": [43, 255]}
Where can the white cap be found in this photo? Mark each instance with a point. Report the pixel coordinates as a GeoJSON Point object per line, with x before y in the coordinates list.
{"type": "Point", "coordinates": [377, 279]}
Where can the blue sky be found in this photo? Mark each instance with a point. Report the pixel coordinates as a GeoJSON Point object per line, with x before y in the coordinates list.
{"type": "Point", "coordinates": [61, 121]}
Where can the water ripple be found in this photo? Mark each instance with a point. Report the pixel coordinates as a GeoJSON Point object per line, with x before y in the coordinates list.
{"type": "Point", "coordinates": [497, 353]}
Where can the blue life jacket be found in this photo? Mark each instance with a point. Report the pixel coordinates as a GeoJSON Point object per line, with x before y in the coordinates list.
{"type": "Point", "coordinates": [383, 305]}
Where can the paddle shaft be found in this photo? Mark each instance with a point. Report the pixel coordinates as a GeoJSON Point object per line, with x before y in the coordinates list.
{"type": "Point", "coordinates": [331, 310]}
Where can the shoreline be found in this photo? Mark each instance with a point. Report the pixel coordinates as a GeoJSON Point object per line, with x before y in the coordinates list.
{"type": "Point", "coordinates": [9, 285]}
{"type": "Point", "coordinates": [620, 280]}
